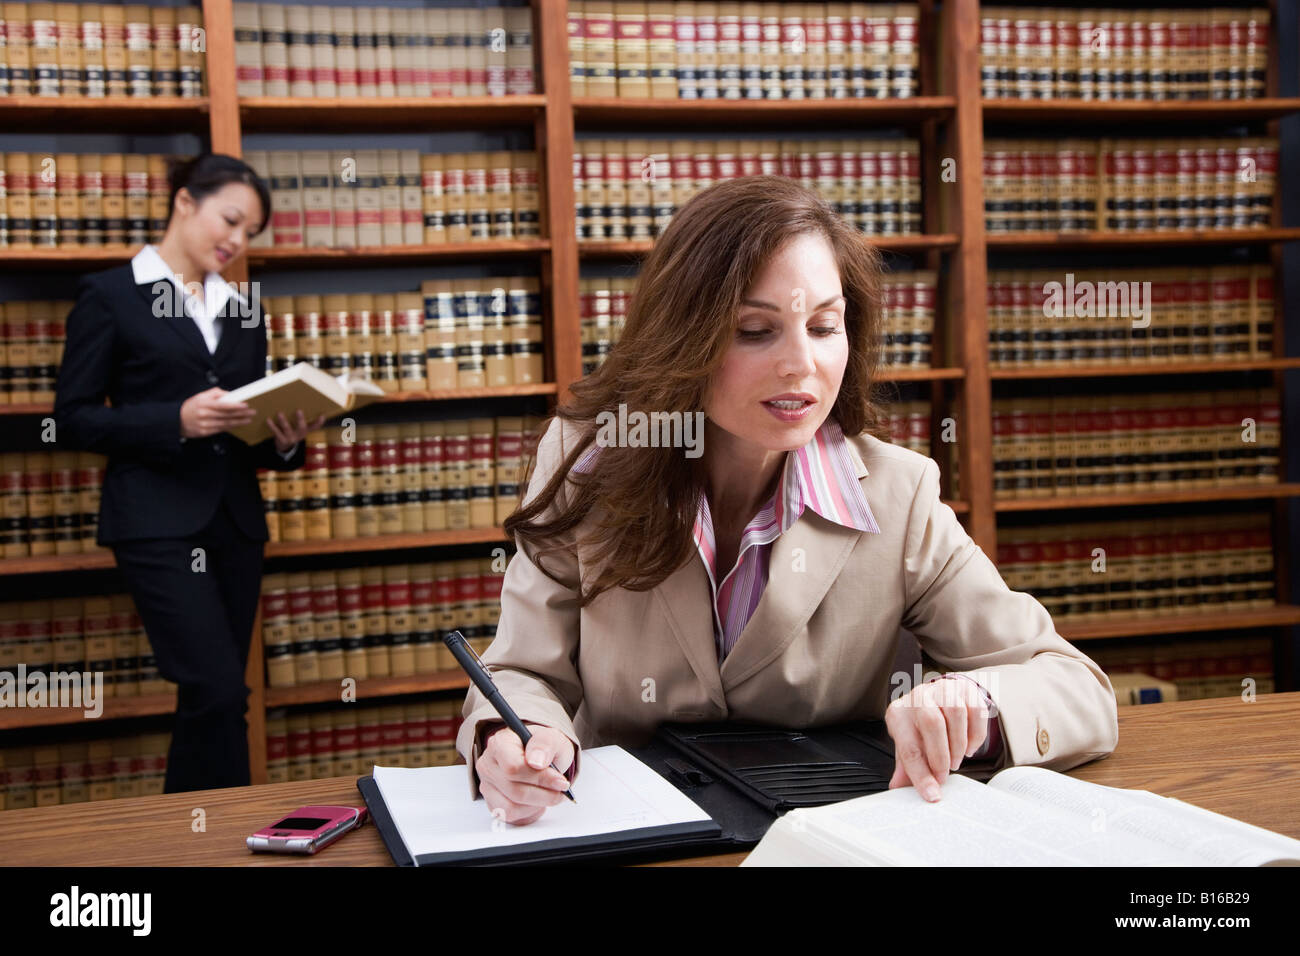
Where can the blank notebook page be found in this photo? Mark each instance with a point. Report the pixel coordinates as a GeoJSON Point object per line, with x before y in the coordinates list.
{"type": "Point", "coordinates": [433, 813]}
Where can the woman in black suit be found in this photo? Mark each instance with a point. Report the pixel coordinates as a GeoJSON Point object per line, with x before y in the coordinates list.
{"type": "Point", "coordinates": [164, 337]}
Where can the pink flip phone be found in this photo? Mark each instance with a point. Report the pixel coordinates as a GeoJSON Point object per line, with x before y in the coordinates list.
{"type": "Point", "coordinates": [307, 829]}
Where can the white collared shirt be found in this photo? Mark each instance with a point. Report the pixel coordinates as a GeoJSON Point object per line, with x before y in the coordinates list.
{"type": "Point", "coordinates": [149, 266]}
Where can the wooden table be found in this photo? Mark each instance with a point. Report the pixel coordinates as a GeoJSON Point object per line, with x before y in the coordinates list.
{"type": "Point", "coordinates": [1234, 757]}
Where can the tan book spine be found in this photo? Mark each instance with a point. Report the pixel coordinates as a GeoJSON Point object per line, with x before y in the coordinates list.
{"type": "Point", "coordinates": [730, 56]}
{"type": "Point", "coordinates": [365, 469]}
{"type": "Point", "coordinates": [456, 466]}
{"type": "Point", "coordinates": [456, 176]}
{"type": "Point", "coordinates": [325, 615]}
{"type": "Point", "coordinates": [166, 51]}
{"type": "Point", "coordinates": [400, 620]}
{"type": "Point", "coordinates": [278, 648]}
{"type": "Point", "coordinates": [277, 747]}
{"type": "Point", "coordinates": [302, 626]}
{"type": "Point", "coordinates": [408, 333]}
{"type": "Point", "coordinates": [340, 477]}
{"type": "Point", "coordinates": [389, 465]}
{"type": "Point", "coordinates": [316, 512]}
{"type": "Point", "coordinates": [350, 174]}
{"type": "Point", "coordinates": [439, 334]}
{"type": "Point", "coordinates": [352, 629]}
{"type": "Point", "coordinates": [470, 371]}
{"type": "Point", "coordinates": [378, 199]}
{"type": "Point", "coordinates": [374, 623]}
{"type": "Point", "coordinates": [576, 23]}
{"type": "Point", "coordinates": [426, 637]}
{"type": "Point", "coordinates": [433, 478]}
{"type": "Point", "coordinates": [497, 365]}
{"type": "Point", "coordinates": [433, 198]}
{"type": "Point", "coordinates": [499, 195]}
{"type": "Point", "coordinates": [251, 45]}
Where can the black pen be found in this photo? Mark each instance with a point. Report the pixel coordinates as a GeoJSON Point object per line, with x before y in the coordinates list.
{"type": "Point", "coordinates": [468, 658]}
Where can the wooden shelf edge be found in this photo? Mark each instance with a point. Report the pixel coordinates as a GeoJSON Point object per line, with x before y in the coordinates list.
{"type": "Point", "coordinates": [387, 103]}
{"type": "Point", "coordinates": [1006, 109]}
{"type": "Point", "coordinates": [328, 691]}
{"type": "Point", "coordinates": [596, 112]}
{"type": "Point", "coordinates": [1100, 239]}
{"type": "Point", "coordinates": [1224, 493]}
{"type": "Point", "coordinates": [331, 255]}
{"type": "Point", "coordinates": [918, 374]}
{"type": "Point", "coordinates": [384, 542]}
{"type": "Point", "coordinates": [617, 247]}
{"type": "Point", "coordinates": [115, 708]}
{"type": "Point", "coordinates": [1279, 616]}
{"type": "Point", "coordinates": [436, 395]}
{"type": "Point", "coordinates": [103, 558]}
{"type": "Point", "coordinates": [1166, 368]}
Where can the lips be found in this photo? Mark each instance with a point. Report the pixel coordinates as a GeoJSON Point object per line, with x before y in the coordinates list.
{"type": "Point", "coordinates": [789, 398]}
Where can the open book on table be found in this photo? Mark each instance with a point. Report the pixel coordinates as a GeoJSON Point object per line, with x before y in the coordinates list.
{"type": "Point", "coordinates": [1024, 816]}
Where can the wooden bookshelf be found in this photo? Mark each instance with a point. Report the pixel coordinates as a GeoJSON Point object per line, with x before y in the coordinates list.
{"type": "Point", "coordinates": [58, 114]}
{"type": "Point", "coordinates": [115, 708]}
{"type": "Point", "coordinates": [392, 114]}
{"type": "Point", "coordinates": [897, 243]}
{"type": "Point", "coordinates": [1225, 493]}
{"type": "Point", "coordinates": [1114, 239]}
{"type": "Point", "coordinates": [600, 112]}
{"type": "Point", "coordinates": [1143, 369]}
{"type": "Point", "coordinates": [373, 688]}
{"type": "Point", "coordinates": [1148, 112]}
{"type": "Point", "coordinates": [949, 118]}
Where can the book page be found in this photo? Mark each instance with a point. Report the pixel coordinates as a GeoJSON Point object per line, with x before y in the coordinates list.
{"type": "Point", "coordinates": [433, 813]}
{"type": "Point", "coordinates": [978, 825]}
{"type": "Point", "coordinates": [1211, 839]}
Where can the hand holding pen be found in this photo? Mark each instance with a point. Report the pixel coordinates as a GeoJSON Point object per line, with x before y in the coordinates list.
{"type": "Point", "coordinates": [520, 773]}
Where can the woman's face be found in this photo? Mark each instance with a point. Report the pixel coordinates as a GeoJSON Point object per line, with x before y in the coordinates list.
{"type": "Point", "coordinates": [791, 339]}
{"type": "Point", "coordinates": [216, 231]}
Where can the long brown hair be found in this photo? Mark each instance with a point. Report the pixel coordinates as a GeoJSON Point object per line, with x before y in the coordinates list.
{"type": "Point", "coordinates": [681, 320]}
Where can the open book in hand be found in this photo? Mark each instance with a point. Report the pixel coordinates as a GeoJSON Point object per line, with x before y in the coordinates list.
{"type": "Point", "coordinates": [1024, 816]}
{"type": "Point", "coordinates": [300, 386]}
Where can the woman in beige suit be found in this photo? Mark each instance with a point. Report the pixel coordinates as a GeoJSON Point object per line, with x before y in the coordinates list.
{"type": "Point", "coordinates": [764, 573]}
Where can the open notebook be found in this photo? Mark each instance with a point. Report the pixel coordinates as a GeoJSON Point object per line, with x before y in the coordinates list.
{"type": "Point", "coordinates": [621, 804]}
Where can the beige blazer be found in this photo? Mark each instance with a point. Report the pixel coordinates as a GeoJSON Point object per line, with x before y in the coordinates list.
{"type": "Point", "coordinates": [820, 645]}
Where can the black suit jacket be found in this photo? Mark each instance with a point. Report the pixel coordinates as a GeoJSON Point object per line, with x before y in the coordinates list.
{"type": "Point", "coordinates": [157, 485]}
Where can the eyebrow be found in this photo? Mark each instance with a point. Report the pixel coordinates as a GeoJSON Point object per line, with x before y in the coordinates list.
{"type": "Point", "coordinates": [769, 306]}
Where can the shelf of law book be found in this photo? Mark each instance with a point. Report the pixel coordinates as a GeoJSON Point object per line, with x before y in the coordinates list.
{"type": "Point", "coordinates": [1131, 320]}
{"type": "Point", "coordinates": [1154, 570]}
{"type": "Point", "coordinates": [346, 740]}
{"type": "Point", "coordinates": [433, 482]}
{"type": "Point", "coordinates": [453, 338]}
{"type": "Point", "coordinates": [1109, 57]}
{"type": "Point", "coordinates": [372, 199]}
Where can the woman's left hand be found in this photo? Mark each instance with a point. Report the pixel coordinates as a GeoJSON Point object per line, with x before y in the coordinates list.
{"type": "Point", "coordinates": [934, 726]}
{"type": "Point", "coordinates": [286, 435]}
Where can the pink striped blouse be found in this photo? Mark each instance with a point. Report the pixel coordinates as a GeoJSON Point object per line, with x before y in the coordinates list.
{"type": "Point", "coordinates": [819, 476]}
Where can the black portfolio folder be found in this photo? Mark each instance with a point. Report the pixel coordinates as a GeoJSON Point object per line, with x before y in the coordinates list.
{"type": "Point", "coordinates": [743, 775]}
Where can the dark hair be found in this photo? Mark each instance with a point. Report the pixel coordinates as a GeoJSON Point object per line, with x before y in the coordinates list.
{"type": "Point", "coordinates": [680, 323]}
{"type": "Point", "coordinates": [206, 173]}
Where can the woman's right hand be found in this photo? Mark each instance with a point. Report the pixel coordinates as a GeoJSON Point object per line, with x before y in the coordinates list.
{"type": "Point", "coordinates": [206, 413]}
{"type": "Point", "coordinates": [521, 789]}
